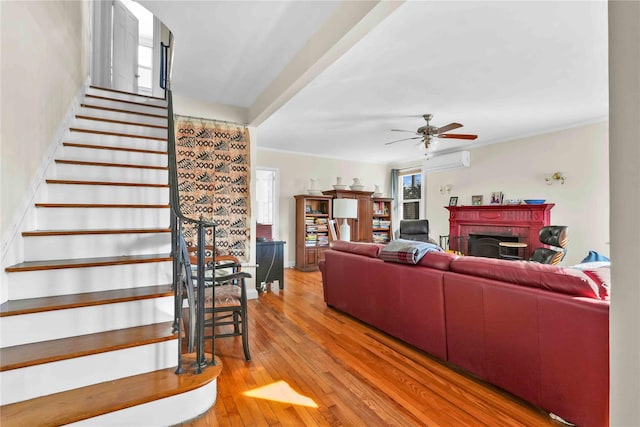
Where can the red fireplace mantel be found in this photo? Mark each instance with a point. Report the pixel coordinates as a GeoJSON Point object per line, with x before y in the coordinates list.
{"type": "Point", "coordinates": [522, 221]}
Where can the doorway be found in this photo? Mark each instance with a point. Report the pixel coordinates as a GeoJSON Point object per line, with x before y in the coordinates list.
{"type": "Point", "coordinates": [124, 45]}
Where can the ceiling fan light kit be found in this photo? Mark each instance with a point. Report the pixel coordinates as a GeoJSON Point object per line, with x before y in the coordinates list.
{"type": "Point", "coordinates": [429, 132]}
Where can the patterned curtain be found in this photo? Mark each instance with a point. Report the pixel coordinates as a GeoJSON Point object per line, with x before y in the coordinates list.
{"type": "Point", "coordinates": [213, 181]}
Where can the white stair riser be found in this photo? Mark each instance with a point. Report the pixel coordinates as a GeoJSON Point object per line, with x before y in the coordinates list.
{"type": "Point", "coordinates": [124, 106]}
{"type": "Point", "coordinates": [98, 125]}
{"type": "Point", "coordinates": [98, 218]}
{"type": "Point", "coordinates": [124, 117]}
{"type": "Point", "coordinates": [77, 193]}
{"type": "Point", "coordinates": [126, 97]}
{"type": "Point", "coordinates": [51, 325]}
{"type": "Point", "coordinates": [115, 141]}
{"type": "Point", "coordinates": [40, 248]}
{"type": "Point", "coordinates": [111, 174]}
{"type": "Point", "coordinates": [34, 381]}
{"type": "Point", "coordinates": [168, 411]}
{"type": "Point", "coordinates": [66, 281]}
{"type": "Point", "coordinates": [112, 156]}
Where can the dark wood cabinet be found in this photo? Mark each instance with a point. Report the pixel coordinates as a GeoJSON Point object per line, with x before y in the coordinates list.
{"type": "Point", "coordinates": [313, 214]}
{"type": "Point", "coordinates": [269, 256]}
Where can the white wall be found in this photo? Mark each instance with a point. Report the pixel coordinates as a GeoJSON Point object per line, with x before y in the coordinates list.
{"type": "Point", "coordinates": [295, 172]}
{"type": "Point", "coordinates": [518, 168]}
{"type": "Point", "coordinates": [44, 52]}
{"type": "Point", "coordinates": [45, 61]}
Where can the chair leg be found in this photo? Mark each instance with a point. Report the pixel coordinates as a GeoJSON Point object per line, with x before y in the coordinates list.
{"type": "Point", "coordinates": [245, 335]}
{"type": "Point", "coordinates": [236, 322]}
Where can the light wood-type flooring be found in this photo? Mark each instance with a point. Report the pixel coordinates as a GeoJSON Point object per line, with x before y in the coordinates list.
{"type": "Point", "coordinates": [342, 372]}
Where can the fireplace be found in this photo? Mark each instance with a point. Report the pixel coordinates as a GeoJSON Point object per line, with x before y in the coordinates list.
{"type": "Point", "coordinates": [487, 245]}
{"type": "Point", "coordinates": [514, 223]}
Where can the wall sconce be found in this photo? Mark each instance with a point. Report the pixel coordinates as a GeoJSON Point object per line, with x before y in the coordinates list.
{"type": "Point", "coordinates": [445, 189]}
{"type": "Point", "coordinates": [556, 177]}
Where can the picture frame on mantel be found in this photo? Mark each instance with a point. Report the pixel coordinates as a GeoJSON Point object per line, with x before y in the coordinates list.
{"type": "Point", "coordinates": [497, 197]}
{"type": "Point", "coordinates": [453, 201]}
{"type": "Point", "coordinates": [476, 200]}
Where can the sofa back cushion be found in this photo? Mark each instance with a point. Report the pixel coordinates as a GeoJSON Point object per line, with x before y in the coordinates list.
{"type": "Point", "coordinates": [359, 248]}
{"type": "Point", "coordinates": [525, 273]}
{"type": "Point", "coordinates": [437, 260]}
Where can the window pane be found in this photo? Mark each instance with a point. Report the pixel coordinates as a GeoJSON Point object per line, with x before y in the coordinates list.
{"type": "Point", "coordinates": [265, 197]}
{"type": "Point", "coordinates": [144, 56]}
{"type": "Point", "coordinates": [411, 210]}
{"type": "Point", "coordinates": [411, 186]}
{"type": "Point", "coordinates": [145, 77]}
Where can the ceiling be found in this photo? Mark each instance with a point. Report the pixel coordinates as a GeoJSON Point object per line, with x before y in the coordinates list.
{"type": "Point", "coordinates": [332, 78]}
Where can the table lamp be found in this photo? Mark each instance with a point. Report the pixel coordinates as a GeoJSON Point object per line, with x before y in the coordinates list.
{"type": "Point", "coordinates": [345, 208]}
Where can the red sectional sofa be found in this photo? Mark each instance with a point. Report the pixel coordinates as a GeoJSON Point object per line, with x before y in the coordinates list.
{"type": "Point", "coordinates": [538, 331]}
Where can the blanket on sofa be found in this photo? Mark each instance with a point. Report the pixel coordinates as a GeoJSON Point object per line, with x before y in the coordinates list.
{"type": "Point", "coordinates": [407, 251]}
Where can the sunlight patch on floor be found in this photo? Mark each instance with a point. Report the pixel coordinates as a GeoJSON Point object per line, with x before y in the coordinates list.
{"type": "Point", "coordinates": [281, 391]}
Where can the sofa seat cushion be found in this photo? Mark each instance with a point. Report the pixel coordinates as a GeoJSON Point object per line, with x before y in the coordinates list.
{"type": "Point", "coordinates": [406, 251]}
{"type": "Point", "coordinates": [531, 274]}
{"type": "Point", "coordinates": [359, 248]}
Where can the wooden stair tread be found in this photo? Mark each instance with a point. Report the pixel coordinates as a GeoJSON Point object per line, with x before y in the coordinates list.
{"type": "Point", "coordinates": [87, 262]}
{"type": "Point", "coordinates": [127, 93]}
{"type": "Point", "coordinates": [113, 165]}
{"type": "Point", "coordinates": [91, 401]}
{"type": "Point", "coordinates": [62, 302]}
{"type": "Point", "coordinates": [126, 135]}
{"type": "Point", "coordinates": [97, 205]}
{"type": "Point", "coordinates": [22, 356]}
{"type": "Point", "coordinates": [126, 102]}
{"type": "Point", "coordinates": [86, 232]}
{"type": "Point", "coordinates": [123, 184]}
{"type": "Point", "coordinates": [120, 122]}
{"type": "Point", "coordinates": [110, 147]}
{"type": "Point", "coordinates": [119, 110]}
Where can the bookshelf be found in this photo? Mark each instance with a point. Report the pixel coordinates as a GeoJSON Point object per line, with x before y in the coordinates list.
{"type": "Point", "coordinates": [313, 214]}
{"type": "Point", "coordinates": [381, 220]}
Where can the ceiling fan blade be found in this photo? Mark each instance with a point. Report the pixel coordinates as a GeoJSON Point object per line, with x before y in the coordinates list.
{"type": "Point", "coordinates": [405, 139]}
{"type": "Point", "coordinates": [457, 136]}
{"type": "Point", "coordinates": [447, 128]}
{"type": "Point", "coordinates": [402, 130]}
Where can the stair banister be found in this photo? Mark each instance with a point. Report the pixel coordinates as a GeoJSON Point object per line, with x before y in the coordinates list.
{"type": "Point", "coordinates": [178, 218]}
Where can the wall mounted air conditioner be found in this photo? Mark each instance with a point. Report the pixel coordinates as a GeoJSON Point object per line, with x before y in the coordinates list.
{"type": "Point", "coordinates": [447, 161]}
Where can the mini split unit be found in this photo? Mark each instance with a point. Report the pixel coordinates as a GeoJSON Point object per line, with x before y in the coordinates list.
{"type": "Point", "coordinates": [447, 161]}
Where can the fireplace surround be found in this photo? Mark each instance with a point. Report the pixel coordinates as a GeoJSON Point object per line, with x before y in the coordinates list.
{"type": "Point", "coordinates": [515, 223]}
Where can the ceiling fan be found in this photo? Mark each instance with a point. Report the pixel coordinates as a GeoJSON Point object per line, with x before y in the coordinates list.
{"type": "Point", "coordinates": [428, 132]}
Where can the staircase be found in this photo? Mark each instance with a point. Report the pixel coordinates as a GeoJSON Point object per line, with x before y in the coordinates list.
{"type": "Point", "coordinates": [86, 335]}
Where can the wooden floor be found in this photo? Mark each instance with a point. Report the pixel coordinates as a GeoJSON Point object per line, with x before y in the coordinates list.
{"type": "Point", "coordinates": [344, 373]}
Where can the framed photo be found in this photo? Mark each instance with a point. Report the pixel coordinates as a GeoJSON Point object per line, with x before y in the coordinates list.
{"type": "Point", "coordinates": [476, 200]}
{"type": "Point", "coordinates": [496, 198]}
{"type": "Point", "coordinates": [453, 201]}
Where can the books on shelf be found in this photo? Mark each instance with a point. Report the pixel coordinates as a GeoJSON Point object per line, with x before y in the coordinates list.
{"type": "Point", "coordinates": [317, 231]}
{"type": "Point", "coordinates": [380, 223]}
{"type": "Point", "coordinates": [380, 237]}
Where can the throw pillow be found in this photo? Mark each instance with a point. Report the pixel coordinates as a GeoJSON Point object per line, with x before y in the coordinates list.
{"type": "Point", "coordinates": [406, 251]}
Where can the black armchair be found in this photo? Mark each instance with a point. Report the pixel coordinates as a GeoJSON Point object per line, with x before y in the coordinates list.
{"type": "Point", "coordinates": [415, 229]}
{"type": "Point", "coordinates": [556, 237]}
